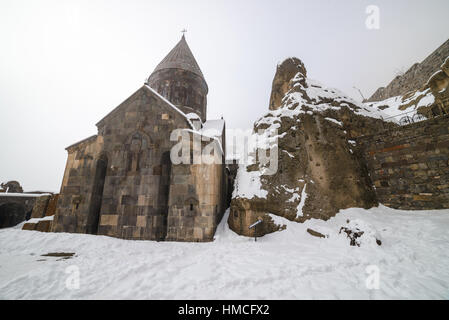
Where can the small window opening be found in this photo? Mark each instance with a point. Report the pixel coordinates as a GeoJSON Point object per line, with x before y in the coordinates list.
{"type": "Point", "coordinates": [191, 207]}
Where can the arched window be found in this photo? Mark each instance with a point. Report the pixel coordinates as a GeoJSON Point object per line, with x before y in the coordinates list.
{"type": "Point", "coordinates": [137, 149]}
{"type": "Point", "coordinates": [191, 205]}
{"type": "Point", "coordinates": [93, 218]}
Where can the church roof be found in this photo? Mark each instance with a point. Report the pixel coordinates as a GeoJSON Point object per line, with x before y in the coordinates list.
{"type": "Point", "coordinates": [214, 127]}
{"type": "Point", "coordinates": [180, 57]}
{"type": "Point", "coordinates": [125, 103]}
{"type": "Point", "coordinates": [91, 138]}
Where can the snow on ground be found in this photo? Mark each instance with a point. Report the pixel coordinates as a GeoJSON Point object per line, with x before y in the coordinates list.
{"type": "Point", "coordinates": [413, 262]}
{"type": "Point", "coordinates": [249, 184]}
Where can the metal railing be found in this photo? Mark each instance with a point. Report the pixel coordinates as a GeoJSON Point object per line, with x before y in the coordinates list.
{"type": "Point", "coordinates": [404, 118]}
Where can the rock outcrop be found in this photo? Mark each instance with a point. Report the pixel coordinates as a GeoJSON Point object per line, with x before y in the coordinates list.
{"type": "Point", "coordinates": [319, 169]}
{"type": "Point", "coordinates": [415, 77]}
{"type": "Point", "coordinates": [432, 99]}
{"type": "Point", "coordinates": [359, 232]}
{"type": "Point", "coordinates": [11, 187]}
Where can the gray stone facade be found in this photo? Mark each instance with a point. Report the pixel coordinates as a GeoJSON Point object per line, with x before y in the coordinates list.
{"type": "Point", "coordinates": [409, 166]}
{"type": "Point", "coordinates": [122, 182]}
{"type": "Point", "coordinates": [186, 90]}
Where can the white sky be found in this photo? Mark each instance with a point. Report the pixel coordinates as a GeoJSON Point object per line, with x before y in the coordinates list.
{"type": "Point", "coordinates": [65, 64]}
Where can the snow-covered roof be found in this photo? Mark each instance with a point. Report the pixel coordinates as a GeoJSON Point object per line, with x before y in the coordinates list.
{"type": "Point", "coordinates": [193, 116]}
{"type": "Point", "coordinates": [195, 119]}
{"type": "Point", "coordinates": [200, 133]}
{"type": "Point", "coordinates": [214, 127]}
{"type": "Point", "coordinates": [146, 86]}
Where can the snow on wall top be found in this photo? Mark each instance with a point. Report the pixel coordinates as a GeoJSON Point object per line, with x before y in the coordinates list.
{"type": "Point", "coordinates": [24, 195]}
{"type": "Point", "coordinates": [396, 106]}
{"type": "Point", "coordinates": [203, 134]}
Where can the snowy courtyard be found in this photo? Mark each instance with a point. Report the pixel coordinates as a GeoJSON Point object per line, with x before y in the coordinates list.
{"type": "Point", "coordinates": [413, 262]}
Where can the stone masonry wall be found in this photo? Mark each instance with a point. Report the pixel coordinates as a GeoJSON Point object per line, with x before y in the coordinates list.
{"type": "Point", "coordinates": [76, 190]}
{"type": "Point", "coordinates": [184, 89]}
{"type": "Point", "coordinates": [197, 200]}
{"type": "Point", "coordinates": [409, 166]}
{"type": "Point", "coordinates": [15, 209]}
{"type": "Point", "coordinates": [121, 182]}
{"type": "Point", "coordinates": [45, 206]}
{"type": "Point", "coordinates": [40, 207]}
{"type": "Point", "coordinates": [415, 77]}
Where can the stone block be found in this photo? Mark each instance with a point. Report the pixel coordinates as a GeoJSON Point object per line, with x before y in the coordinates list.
{"type": "Point", "coordinates": [109, 220]}
{"type": "Point", "coordinates": [144, 200]}
{"type": "Point", "coordinates": [40, 207]}
{"type": "Point", "coordinates": [29, 226]}
{"type": "Point", "coordinates": [71, 190]}
{"type": "Point", "coordinates": [198, 233]}
{"type": "Point", "coordinates": [137, 233]}
{"type": "Point", "coordinates": [44, 226]}
{"type": "Point", "coordinates": [128, 200]}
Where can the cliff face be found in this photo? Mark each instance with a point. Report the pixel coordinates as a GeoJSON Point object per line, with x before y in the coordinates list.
{"type": "Point", "coordinates": [319, 170]}
{"type": "Point", "coordinates": [415, 77]}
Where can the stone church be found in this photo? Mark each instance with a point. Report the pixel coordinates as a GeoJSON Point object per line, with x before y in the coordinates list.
{"type": "Point", "coordinates": [123, 183]}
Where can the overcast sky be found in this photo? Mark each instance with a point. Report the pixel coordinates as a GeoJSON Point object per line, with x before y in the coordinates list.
{"type": "Point", "coordinates": [65, 64]}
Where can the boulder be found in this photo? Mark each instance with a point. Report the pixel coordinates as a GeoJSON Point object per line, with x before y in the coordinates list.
{"type": "Point", "coordinates": [353, 235]}
{"type": "Point", "coordinates": [319, 168]}
{"type": "Point", "coordinates": [11, 187]}
{"type": "Point", "coordinates": [316, 233]}
{"type": "Point", "coordinates": [44, 226]}
{"type": "Point", "coordinates": [359, 232]}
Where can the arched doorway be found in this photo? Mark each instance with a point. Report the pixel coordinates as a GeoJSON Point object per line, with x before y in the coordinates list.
{"type": "Point", "coordinates": [164, 189]}
{"type": "Point", "coordinates": [97, 195]}
{"type": "Point", "coordinates": [11, 214]}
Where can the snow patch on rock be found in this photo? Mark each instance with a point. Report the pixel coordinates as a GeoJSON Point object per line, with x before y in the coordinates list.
{"type": "Point", "coordinates": [301, 204]}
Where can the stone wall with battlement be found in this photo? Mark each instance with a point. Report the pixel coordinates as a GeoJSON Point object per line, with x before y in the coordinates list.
{"type": "Point", "coordinates": [409, 166]}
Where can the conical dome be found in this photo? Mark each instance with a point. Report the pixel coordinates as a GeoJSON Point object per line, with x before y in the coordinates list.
{"type": "Point", "coordinates": [180, 57]}
{"type": "Point", "coordinates": [179, 79]}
